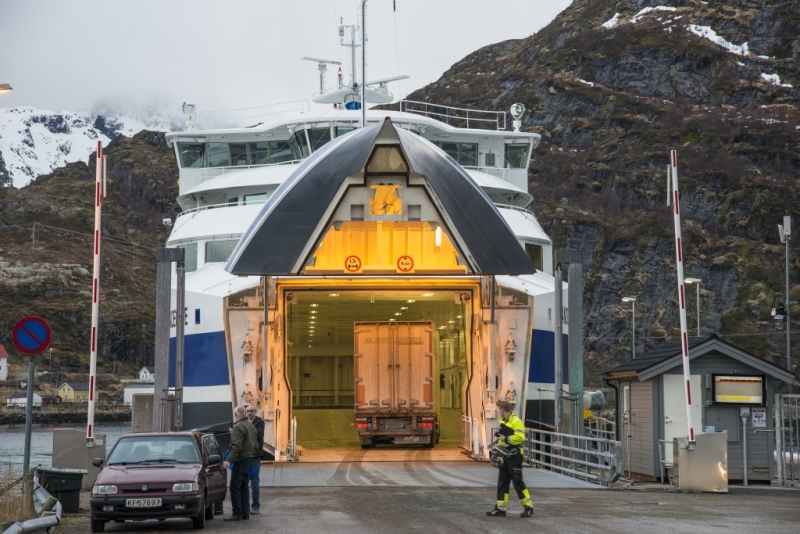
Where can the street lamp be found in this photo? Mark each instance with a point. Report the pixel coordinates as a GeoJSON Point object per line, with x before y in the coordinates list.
{"type": "Point", "coordinates": [5, 88]}
{"type": "Point", "coordinates": [785, 231]}
{"type": "Point", "coordinates": [696, 281]}
{"type": "Point", "coordinates": [632, 300]}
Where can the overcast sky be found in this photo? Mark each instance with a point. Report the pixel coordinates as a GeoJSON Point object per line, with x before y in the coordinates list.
{"type": "Point", "coordinates": [77, 54]}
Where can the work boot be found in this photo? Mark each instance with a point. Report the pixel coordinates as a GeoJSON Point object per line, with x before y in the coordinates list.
{"type": "Point", "coordinates": [497, 512]}
{"type": "Point", "coordinates": [527, 512]}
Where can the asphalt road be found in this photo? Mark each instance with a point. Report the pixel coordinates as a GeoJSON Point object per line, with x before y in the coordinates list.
{"type": "Point", "coordinates": [355, 510]}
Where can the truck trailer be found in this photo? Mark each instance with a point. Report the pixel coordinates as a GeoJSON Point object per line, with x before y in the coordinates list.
{"type": "Point", "coordinates": [394, 369]}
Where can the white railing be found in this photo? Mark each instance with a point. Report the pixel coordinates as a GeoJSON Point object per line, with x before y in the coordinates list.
{"type": "Point", "coordinates": [218, 206]}
{"type": "Point", "coordinates": [471, 118]}
{"type": "Point", "coordinates": [498, 172]}
{"type": "Point", "coordinates": [244, 117]}
{"type": "Point", "coordinates": [207, 173]}
{"type": "Point", "coordinates": [595, 460]}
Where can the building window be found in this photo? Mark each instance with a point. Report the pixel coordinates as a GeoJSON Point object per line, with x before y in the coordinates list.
{"type": "Point", "coordinates": [257, 198]}
{"type": "Point", "coordinates": [489, 159]}
{"type": "Point", "coordinates": [318, 137]}
{"type": "Point", "coordinates": [299, 145]}
{"type": "Point", "coordinates": [279, 151]}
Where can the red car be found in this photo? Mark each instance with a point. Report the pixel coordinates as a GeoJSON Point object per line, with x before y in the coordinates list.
{"type": "Point", "coordinates": [159, 475]}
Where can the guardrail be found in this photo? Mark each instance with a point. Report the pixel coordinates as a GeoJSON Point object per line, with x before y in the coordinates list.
{"type": "Point", "coordinates": [207, 173]}
{"type": "Point", "coordinates": [497, 172]}
{"type": "Point", "coordinates": [48, 509]}
{"type": "Point", "coordinates": [592, 459]}
{"type": "Point", "coordinates": [461, 117]}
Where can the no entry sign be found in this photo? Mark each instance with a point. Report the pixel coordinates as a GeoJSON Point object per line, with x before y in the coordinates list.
{"type": "Point", "coordinates": [31, 335]}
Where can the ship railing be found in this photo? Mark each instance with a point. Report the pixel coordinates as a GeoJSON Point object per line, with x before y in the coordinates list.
{"type": "Point", "coordinates": [591, 459]}
{"type": "Point", "coordinates": [207, 173]}
{"type": "Point", "coordinates": [498, 172]}
{"type": "Point", "coordinates": [219, 206]}
{"type": "Point", "coordinates": [458, 117]}
{"type": "Point", "coordinates": [247, 117]}
{"type": "Point", "coordinates": [515, 208]}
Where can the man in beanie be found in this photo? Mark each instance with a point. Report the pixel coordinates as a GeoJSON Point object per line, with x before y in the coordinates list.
{"type": "Point", "coordinates": [510, 436]}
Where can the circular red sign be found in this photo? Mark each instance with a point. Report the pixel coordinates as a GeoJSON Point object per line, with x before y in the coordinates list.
{"type": "Point", "coordinates": [405, 264]}
{"type": "Point", "coordinates": [31, 335]}
{"type": "Point", "coordinates": [352, 263]}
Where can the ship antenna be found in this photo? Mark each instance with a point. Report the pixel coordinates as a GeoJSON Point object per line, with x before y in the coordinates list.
{"type": "Point", "coordinates": [363, 63]}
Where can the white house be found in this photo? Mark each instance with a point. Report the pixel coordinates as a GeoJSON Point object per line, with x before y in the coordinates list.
{"type": "Point", "coordinates": [133, 388]}
{"type": "Point", "coordinates": [147, 374]}
{"type": "Point", "coordinates": [21, 400]}
{"type": "Point", "coordinates": [3, 363]}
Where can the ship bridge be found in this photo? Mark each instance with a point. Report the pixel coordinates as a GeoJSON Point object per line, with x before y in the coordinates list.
{"type": "Point", "coordinates": [378, 227]}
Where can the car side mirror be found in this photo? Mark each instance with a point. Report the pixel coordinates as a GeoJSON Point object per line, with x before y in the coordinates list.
{"type": "Point", "coordinates": [214, 459]}
{"type": "Point", "coordinates": [97, 462]}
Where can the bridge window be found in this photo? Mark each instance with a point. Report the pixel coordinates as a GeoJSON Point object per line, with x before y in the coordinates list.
{"type": "Point", "coordinates": [536, 254]}
{"type": "Point", "coordinates": [218, 155]}
{"type": "Point", "coordinates": [259, 153]}
{"type": "Point", "coordinates": [299, 145]}
{"type": "Point", "coordinates": [464, 153]}
{"type": "Point", "coordinates": [238, 153]}
{"type": "Point", "coordinates": [318, 137]}
{"type": "Point", "coordinates": [220, 251]}
{"type": "Point", "coordinates": [190, 257]}
{"type": "Point", "coordinates": [489, 159]}
{"type": "Point", "coordinates": [517, 155]}
{"type": "Point", "coordinates": [279, 151]}
{"type": "Point", "coordinates": [341, 130]}
{"type": "Point", "coordinates": [192, 154]}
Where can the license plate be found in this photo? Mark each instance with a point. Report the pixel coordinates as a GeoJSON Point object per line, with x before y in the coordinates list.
{"type": "Point", "coordinates": [395, 426]}
{"type": "Point", "coordinates": [142, 503]}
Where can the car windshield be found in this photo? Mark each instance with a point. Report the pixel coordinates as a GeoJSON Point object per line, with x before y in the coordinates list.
{"type": "Point", "coordinates": [147, 449]}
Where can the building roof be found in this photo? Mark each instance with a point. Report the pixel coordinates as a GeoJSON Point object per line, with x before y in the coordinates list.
{"type": "Point", "coordinates": [667, 357]}
{"type": "Point", "coordinates": [150, 370]}
{"type": "Point", "coordinates": [295, 216]}
{"type": "Point", "coordinates": [3, 353]}
{"type": "Point", "coordinates": [14, 396]}
{"type": "Point", "coordinates": [77, 386]}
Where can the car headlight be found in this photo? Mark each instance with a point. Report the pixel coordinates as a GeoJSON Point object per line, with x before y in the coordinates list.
{"type": "Point", "coordinates": [181, 487]}
{"type": "Point", "coordinates": [105, 489]}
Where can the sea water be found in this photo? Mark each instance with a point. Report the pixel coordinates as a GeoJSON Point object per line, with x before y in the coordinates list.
{"type": "Point", "coordinates": [12, 442]}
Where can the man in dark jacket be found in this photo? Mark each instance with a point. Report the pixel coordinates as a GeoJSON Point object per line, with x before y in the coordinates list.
{"type": "Point", "coordinates": [243, 447]}
{"type": "Point", "coordinates": [255, 491]}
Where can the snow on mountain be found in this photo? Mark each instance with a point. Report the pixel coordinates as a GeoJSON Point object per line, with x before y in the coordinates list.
{"type": "Point", "coordinates": [35, 142]}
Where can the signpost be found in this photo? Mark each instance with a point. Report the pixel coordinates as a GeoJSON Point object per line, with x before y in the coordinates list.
{"type": "Point", "coordinates": [31, 335]}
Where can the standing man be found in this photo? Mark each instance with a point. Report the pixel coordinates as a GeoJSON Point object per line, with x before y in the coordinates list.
{"type": "Point", "coordinates": [509, 437]}
{"type": "Point", "coordinates": [243, 447]}
{"type": "Point", "coordinates": [255, 490]}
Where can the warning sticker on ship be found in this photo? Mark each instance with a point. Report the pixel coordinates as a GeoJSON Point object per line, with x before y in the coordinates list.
{"type": "Point", "coordinates": [405, 264]}
{"type": "Point", "coordinates": [352, 264]}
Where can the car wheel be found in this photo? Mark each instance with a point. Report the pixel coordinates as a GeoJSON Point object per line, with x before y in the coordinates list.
{"type": "Point", "coordinates": [98, 526]}
{"type": "Point", "coordinates": [210, 511]}
{"type": "Point", "coordinates": [199, 521]}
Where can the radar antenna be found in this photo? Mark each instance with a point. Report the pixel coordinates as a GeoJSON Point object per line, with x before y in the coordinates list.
{"type": "Point", "coordinates": [322, 65]}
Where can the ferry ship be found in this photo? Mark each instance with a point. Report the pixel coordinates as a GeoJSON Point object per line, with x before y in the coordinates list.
{"type": "Point", "coordinates": [284, 254]}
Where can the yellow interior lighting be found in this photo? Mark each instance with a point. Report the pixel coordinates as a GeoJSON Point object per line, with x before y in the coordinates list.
{"type": "Point", "coordinates": [385, 247]}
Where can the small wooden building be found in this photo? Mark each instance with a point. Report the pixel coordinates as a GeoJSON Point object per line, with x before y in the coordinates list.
{"type": "Point", "coordinates": [726, 384]}
{"type": "Point", "coordinates": [20, 400]}
{"type": "Point", "coordinates": [147, 374]}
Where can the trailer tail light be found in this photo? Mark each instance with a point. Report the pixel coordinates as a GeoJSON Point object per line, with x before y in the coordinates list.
{"type": "Point", "coordinates": [362, 426]}
{"type": "Point", "coordinates": [427, 425]}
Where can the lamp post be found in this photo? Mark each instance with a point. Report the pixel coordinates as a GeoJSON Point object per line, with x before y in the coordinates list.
{"type": "Point", "coordinates": [632, 300]}
{"type": "Point", "coordinates": [697, 283]}
{"type": "Point", "coordinates": [785, 232]}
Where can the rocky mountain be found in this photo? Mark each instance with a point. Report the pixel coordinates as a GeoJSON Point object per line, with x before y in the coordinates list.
{"type": "Point", "coordinates": [612, 86]}
{"type": "Point", "coordinates": [35, 142]}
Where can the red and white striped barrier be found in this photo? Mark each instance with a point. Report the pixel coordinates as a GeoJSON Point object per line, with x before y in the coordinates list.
{"type": "Point", "coordinates": [672, 183]}
{"type": "Point", "coordinates": [99, 192]}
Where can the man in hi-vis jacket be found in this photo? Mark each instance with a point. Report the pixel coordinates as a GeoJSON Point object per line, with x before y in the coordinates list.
{"type": "Point", "coordinates": [509, 437]}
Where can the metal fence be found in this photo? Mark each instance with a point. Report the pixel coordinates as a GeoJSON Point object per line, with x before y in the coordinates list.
{"type": "Point", "coordinates": [787, 439]}
{"type": "Point", "coordinates": [594, 459]}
